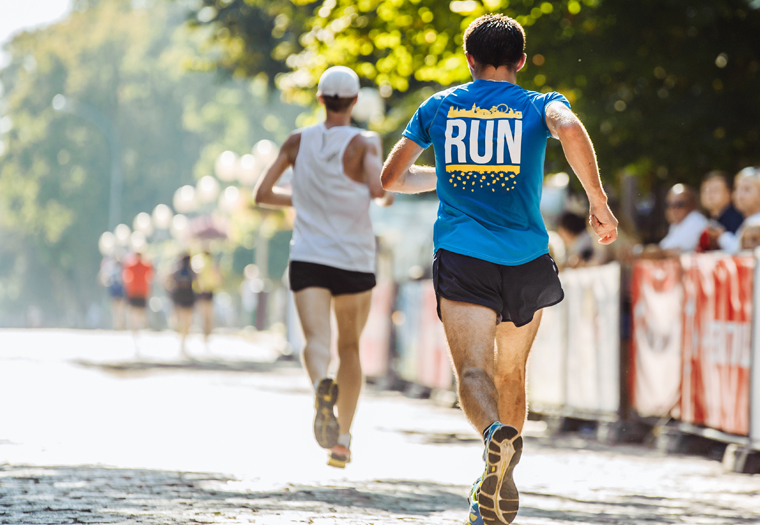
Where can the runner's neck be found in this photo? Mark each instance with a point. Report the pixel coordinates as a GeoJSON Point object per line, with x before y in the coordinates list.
{"type": "Point", "coordinates": [337, 119]}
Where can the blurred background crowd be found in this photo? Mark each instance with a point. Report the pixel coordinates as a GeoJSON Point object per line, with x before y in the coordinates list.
{"type": "Point", "coordinates": [133, 131]}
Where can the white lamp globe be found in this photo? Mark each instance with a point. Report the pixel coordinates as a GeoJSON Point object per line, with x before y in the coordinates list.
{"type": "Point", "coordinates": [207, 189]}
{"type": "Point", "coordinates": [122, 233]}
{"type": "Point", "coordinates": [143, 224]}
{"type": "Point", "coordinates": [249, 170]}
{"type": "Point", "coordinates": [179, 226]}
{"type": "Point", "coordinates": [137, 241]}
{"type": "Point", "coordinates": [184, 200]}
{"type": "Point", "coordinates": [370, 106]}
{"type": "Point", "coordinates": [162, 217]}
{"type": "Point", "coordinates": [107, 244]}
{"type": "Point", "coordinates": [229, 200]}
{"type": "Point", "coordinates": [264, 151]}
{"type": "Point", "coordinates": [225, 166]}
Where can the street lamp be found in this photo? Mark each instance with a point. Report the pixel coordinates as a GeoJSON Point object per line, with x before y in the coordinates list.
{"type": "Point", "coordinates": [122, 233]}
{"type": "Point", "coordinates": [162, 217]}
{"type": "Point", "coordinates": [66, 105]}
{"type": "Point", "coordinates": [226, 166]}
{"type": "Point", "coordinates": [143, 224]}
{"type": "Point", "coordinates": [107, 244]}
{"type": "Point", "coordinates": [370, 106]}
{"type": "Point", "coordinates": [184, 200]}
{"type": "Point", "coordinates": [207, 189]}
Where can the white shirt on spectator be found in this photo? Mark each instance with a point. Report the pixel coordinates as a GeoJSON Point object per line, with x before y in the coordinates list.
{"type": "Point", "coordinates": [732, 243]}
{"type": "Point", "coordinates": [685, 235]}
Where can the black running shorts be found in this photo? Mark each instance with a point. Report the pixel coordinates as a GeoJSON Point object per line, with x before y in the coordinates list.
{"type": "Point", "coordinates": [339, 282]}
{"type": "Point", "coordinates": [138, 302]}
{"type": "Point", "coordinates": [515, 293]}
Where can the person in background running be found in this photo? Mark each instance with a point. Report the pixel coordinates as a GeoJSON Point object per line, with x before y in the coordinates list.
{"type": "Point", "coordinates": [137, 276]}
{"type": "Point", "coordinates": [110, 278]}
{"type": "Point", "coordinates": [336, 172]}
{"type": "Point", "coordinates": [207, 282]}
{"type": "Point", "coordinates": [181, 291]}
{"type": "Point", "coordinates": [492, 272]}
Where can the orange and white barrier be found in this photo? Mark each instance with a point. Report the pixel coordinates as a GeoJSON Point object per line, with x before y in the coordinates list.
{"type": "Point", "coordinates": [717, 330]}
{"type": "Point", "coordinates": [655, 351]}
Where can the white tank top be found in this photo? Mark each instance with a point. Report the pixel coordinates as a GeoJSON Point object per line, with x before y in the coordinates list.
{"type": "Point", "coordinates": [332, 225]}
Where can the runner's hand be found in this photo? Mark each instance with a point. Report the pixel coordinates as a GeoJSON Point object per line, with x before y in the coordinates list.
{"type": "Point", "coordinates": [603, 222]}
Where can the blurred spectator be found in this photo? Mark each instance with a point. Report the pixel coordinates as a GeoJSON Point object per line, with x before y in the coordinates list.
{"type": "Point", "coordinates": [110, 278]}
{"type": "Point", "coordinates": [207, 283]}
{"type": "Point", "coordinates": [716, 199]}
{"type": "Point", "coordinates": [686, 223]}
{"type": "Point", "coordinates": [579, 246]}
{"type": "Point", "coordinates": [181, 290]}
{"type": "Point", "coordinates": [751, 235]}
{"type": "Point", "coordinates": [747, 201]}
{"type": "Point", "coordinates": [137, 276]}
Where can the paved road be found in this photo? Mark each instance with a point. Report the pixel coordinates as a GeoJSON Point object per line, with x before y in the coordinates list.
{"type": "Point", "coordinates": [90, 433]}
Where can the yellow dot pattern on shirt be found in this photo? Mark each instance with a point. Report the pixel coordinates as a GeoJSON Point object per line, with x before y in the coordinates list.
{"type": "Point", "coordinates": [504, 181]}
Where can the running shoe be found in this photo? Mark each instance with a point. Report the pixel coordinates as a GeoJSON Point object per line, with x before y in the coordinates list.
{"type": "Point", "coordinates": [325, 423]}
{"type": "Point", "coordinates": [339, 456]}
{"type": "Point", "coordinates": [496, 495]}
{"type": "Point", "coordinates": [473, 516]}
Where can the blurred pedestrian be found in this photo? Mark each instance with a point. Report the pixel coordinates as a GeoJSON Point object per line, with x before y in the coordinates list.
{"type": "Point", "coordinates": [715, 195]}
{"type": "Point", "coordinates": [751, 235]}
{"type": "Point", "coordinates": [336, 172]}
{"type": "Point", "coordinates": [137, 276]}
{"type": "Point", "coordinates": [110, 277]}
{"type": "Point", "coordinates": [208, 280]}
{"type": "Point", "coordinates": [492, 271]}
{"type": "Point", "coordinates": [747, 201]}
{"type": "Point", "coordinates": [579, 246]}
{"type": "Point", "coordinates": [686, 222]}
{"type": "Point", "coordinates": [181, 291]}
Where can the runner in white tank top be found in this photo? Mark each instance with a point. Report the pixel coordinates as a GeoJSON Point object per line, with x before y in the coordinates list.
{"type": "Point", "coordinates": [336, 172]}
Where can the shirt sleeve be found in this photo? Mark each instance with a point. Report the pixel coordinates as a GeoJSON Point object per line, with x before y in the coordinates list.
{"type": "Point", "coordinates": [418, 129]}
{"type": "Point", "coordinates": [548, 99]}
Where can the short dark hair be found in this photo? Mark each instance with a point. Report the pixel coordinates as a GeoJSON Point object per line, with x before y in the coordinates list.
{"type": "Point", "coordinates": [721, 175]}
{"type": "Point", "coordinates": [495, 40]}
{"type": "Point", "coordinates": [337, 104]}
{"type": "Point", "coordinates": [572, 222]}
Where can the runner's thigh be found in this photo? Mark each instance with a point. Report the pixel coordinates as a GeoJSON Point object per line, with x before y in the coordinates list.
{"type": "Point", "coordinates": [470, 332]}
{"type": "Point", "coordinates": [513, 344]}
{"type": "Point", "coordinates": [313, 306]}
{"type": "Point", "coordinates": [351, 313]}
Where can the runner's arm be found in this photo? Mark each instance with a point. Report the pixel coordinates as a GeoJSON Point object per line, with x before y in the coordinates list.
{"type": "Point", "coordinates": [265, 194]}
{"type": "Point", "coordinates": [401, 175]}
{"type": "Point", "coordinates": [579, 151]}
{"type": "Point", "coordinates": [372, 162]}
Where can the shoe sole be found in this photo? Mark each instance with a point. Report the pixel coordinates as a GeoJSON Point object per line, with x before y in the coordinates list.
{"type": "Point", "coordinates": [337, 461]}
{"type": "Point", "coordinates": [498, 498]}
{"type": "Point", "coordinates": [326, 428]}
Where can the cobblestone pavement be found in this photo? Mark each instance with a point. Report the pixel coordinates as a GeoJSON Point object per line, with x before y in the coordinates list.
{"type": "Point", "coordinates": [90, 433]}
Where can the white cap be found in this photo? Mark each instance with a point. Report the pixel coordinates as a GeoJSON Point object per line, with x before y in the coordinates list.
{"type": "Point", "coordinates": [339, 81]}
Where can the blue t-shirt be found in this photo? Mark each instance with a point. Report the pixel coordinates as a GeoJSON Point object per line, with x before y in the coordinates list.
{"type": "Point", "coordinates": [490, 142]}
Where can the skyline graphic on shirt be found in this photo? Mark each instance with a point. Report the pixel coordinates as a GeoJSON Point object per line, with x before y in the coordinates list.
{"type": "Point", "coordinates": [502, 133]}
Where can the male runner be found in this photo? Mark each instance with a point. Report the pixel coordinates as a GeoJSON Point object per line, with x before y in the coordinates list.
{"type": "Point", "coordinates": [336, 171]}
{"type": "Point", "coordinates": [492, 271]}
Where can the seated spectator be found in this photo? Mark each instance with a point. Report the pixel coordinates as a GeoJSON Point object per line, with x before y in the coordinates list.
{"type": "Point", "coordinates": [686, 223]}
{"type": "Point", "coordinates": [747, 201]}
{"type": "Point", "coordinates": [579, 246]}
{"type": "Point", "coordinates": [716, 199]}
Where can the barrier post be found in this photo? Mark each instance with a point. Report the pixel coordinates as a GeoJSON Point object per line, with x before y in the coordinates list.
{"type": "Point", "coordinates": [754, 363]}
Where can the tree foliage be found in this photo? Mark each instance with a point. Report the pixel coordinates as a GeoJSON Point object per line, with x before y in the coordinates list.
{"type": "Point", "coordinates": [669, 89]}
{"type": "Point", "coordinates": [132, 65]}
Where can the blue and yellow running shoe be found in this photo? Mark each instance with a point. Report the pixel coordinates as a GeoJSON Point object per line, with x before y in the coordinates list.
{"type": "Point", "coordinates": [325, 423]}
{"type": "Point", "coordinates": [473, 517]}
{"type": "Point", "coordinates": [496, 494]}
